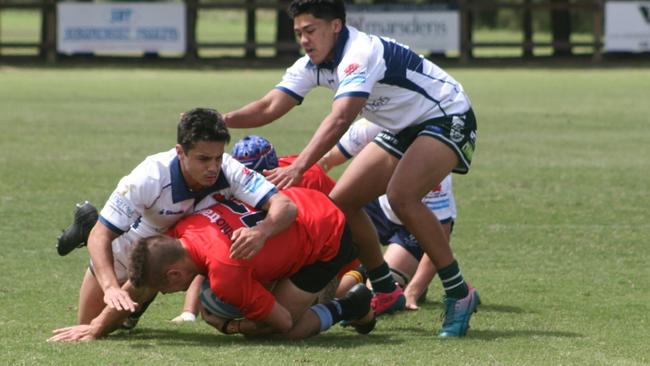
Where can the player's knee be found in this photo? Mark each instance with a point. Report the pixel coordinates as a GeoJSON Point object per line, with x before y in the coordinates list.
{"type": "Point", "coordinates": [284, 326]}
{"type": "Point", "coordinates": [399, 201]}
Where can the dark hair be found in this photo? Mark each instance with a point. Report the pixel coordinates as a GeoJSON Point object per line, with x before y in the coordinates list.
{"type": "Point", "coordinates": [201, 124]}
{"type": "Point", "coordinates": [150, 258]}
{"type": "Point", "coordinates": [321, 9]}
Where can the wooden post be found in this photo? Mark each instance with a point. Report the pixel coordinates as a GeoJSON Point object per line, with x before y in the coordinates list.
{"type": "Point", "coordinates": [48, 42]}
{"type": "Point", "coordinates": [250, 29]}
{"type": "Point", "coordinates": [191, 15]}
{"type": "Point", "coordinates": [598, 11]}
{"type": "Point", "coordinates": [1, 29]}
{"type": "Point", "coordinates": [561, 27]}
{"type": "Point", "coordinates": [465, 30]}
{"type": "Point", "coordinates": [527, 27]}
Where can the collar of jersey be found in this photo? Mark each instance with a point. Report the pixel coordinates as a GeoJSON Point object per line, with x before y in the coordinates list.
{"type": "Point", "coordinates": [180, 190]}
{"type": "Point", "coordinates": [338, 52]}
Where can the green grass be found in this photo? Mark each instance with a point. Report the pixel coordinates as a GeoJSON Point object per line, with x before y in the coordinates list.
{"type": "Point", "coordinates": [552, 228]}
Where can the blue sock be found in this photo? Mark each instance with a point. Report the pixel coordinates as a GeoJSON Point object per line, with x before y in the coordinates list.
{"type": "Point", "coordinates": [329, 314]}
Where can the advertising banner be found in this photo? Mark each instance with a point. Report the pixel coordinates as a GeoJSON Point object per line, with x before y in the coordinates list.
{"type": "Point", "coordinates": [433, 29]}
{"type": "Point", "coordinates": [627, 26]}
{"type": "Point", "coordinates": [119, 27]}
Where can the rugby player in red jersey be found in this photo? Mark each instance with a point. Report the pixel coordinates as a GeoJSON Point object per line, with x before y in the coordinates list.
{"type": "Point", "coordinates": [301, 260]}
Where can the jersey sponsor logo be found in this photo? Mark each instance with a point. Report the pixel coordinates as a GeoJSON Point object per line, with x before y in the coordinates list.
{"type": "Point", "coordinates": [376, 104]}
{"type": "Point", "coordinates": [252, 180]}
{"type": "Point", "coordinates": [166, 212]}
{"type": "Point", "coordinates": [354, 79]}
{"type": "Point", "coordinates": [217, 220]}
{"type": "Point", "coordinates": [388, 137]}
{"type": "Point", "coordinates": [468, 150]}
{"type": "Point", "coordinates": [351, 68]}
{"type": "Point", "coordinates": [456, 132]}
{"type": "Point", "coordinates": [120, 204]}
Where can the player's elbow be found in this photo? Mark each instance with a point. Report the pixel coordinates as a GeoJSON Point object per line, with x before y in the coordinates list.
{"type": "Point", "coordinates": [292, 210]}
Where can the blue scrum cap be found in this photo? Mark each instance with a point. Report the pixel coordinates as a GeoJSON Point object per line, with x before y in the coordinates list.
{"type": "Point", "coordinates": [256, 153]}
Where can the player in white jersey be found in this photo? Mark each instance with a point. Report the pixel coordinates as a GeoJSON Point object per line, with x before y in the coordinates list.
{"type": "Point", "coordinates": [431, 131]}
{"type": "Point", "coordinates": [410, 267]}
{"type": "Point", "coordinates": [166, 187]}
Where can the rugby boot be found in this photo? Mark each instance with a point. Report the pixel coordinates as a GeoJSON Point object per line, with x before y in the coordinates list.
{"type": "Point", "coordinates": [388, 303]}
{"type": "Point", "coordinates": [76, 235]}
{"type": "Point", "coordinates": [458, 313]}
{"type": "Point", "coordinates": [360, 314]}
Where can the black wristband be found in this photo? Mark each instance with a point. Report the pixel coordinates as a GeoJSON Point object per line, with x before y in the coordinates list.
{"type": "Point", "coordinates": [224, 326]}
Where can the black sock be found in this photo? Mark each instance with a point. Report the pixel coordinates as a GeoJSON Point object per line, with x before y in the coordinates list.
{"type": "Point", "coordinates": [381, 279]}
{"type": "Point", "coordinates": [453, 281]}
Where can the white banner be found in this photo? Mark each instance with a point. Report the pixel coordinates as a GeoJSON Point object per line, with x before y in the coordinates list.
{"type": "Point", "coordinates": [435, 30]}
{"type": "Point", "coordinates": [627, 26]}
{"type": "Point", "coordinates": [102, 27]}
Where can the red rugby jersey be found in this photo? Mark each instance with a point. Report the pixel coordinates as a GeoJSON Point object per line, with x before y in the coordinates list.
{"type": "Point", "coordinates": [314, 236]}
{"type": "Point", "coordinates": [314, 178]}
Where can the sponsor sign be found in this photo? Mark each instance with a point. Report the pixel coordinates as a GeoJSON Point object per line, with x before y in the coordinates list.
{"type": "Point", "coordinates": [433, 29]}
{"type": "Point", "coordinates": [119, 27]}
{"type": "Point", "coordinates": [627, 26]}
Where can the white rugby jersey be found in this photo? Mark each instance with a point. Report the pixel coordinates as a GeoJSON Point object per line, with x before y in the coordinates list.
{"type": "Point", "coordinates": [440, 200]}
{"type": "Point", "coordinates": [154, 196]}
{"type": "Point", "coordinates": [403, 88]}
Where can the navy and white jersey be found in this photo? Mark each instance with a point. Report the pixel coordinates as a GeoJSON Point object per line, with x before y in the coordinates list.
{"type": "Point", "coordinates": [440, 200]}
{"type": "Point", "coordinates": [154, 196]}
{"type": "Point", "coordinates": [403, 88]}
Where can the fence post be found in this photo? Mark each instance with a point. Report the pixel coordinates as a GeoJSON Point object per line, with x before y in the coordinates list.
{"type": "Point", "coordinates": [48, 31]}
{"type": "Point", "coordinates": [598, 30]}
{"type": "Point", "coordinates": [561, 27]}
{"type": "Point", "coordinates": [191, 15]}
{"type": "Point", "coordinates": [465, 30]}
{"type": "Point", "coordinates": [527, 26]}
{"type": "Point", "coordinates": [250, 29]}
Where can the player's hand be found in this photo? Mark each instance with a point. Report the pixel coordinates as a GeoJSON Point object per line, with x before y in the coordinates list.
{"type": "Point", "coordinates": [119, 299]}
{"type": "Point", "coordinates": [246, 242]}
{"type": "Point", "coordinates": [75, 333]}
{"type": "Point", "coordinates": [213, 320]}
{"type": "Point", "coordinates": [284, 177]}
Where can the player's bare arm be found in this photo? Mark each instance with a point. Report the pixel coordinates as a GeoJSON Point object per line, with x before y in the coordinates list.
{"type": "Point", "coordinates": [272, 106]}
{"type": "Point", "coordinates": [279, 320]}
{"type": "Point", "coordinates": [281, 212]}
{"type": "Point", "coordinates": [344, 111]}
{"type": "Point", "coordinates": [101, 253]}
{"type": "Point", "coordinates": [105, 323]}
{"type": "Point", "coordinates": [332, 159]}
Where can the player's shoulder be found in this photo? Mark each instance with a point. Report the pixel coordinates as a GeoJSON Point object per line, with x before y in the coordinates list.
{"type": "Point", "coordinates": [231, 167]}
{"type": "Point", "coordinates": [362, 45]}
{"type": "Point", "coordinates": [161, 160]}
{"type": "Point", "coordinates": [302, 65]}
{"type": "Point", "coordinates": [155, 169]}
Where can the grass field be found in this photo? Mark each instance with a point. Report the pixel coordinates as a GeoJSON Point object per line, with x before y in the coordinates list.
{"type": "Point", "coordinates": [552, 229]}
